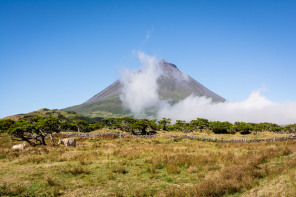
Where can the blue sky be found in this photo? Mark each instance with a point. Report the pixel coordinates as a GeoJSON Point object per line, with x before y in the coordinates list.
{"type": "Point", "coordinates": [56, 54]}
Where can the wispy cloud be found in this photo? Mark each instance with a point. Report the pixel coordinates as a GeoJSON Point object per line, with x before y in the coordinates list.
{"type": "Point", "coordinates": [148, 35]}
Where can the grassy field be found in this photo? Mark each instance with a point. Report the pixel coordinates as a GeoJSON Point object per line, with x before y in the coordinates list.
{"type": "Point", "coordinates": [149, 167]}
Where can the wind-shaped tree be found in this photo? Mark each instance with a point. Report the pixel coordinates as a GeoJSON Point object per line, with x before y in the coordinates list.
{"type": "Point", "coordinates": [34, 128]}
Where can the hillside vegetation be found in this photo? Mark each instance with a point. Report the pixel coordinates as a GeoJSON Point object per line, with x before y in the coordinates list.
{"type": "Point", "coordinates": [44, 112]}
{"type": "Point", "coordinates": [110, 107]}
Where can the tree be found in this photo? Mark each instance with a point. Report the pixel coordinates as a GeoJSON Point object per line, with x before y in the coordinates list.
{"type": "Point", "coordinates": [82, 126]}
{"type": "Point", "coordinates": [34, 128]}
{"type": "Point", "coordinates": [291, 128]}
{"type": "Point", "coordinates": [152, 126]}
{"type": "Point", "coordinates": [262, 127]}
{"type": "Point", "coordinates": [180, 124]}
{"type": "Point", "coordinates": [220, 127]}
{"type": "Point", "coordinates": [242, 127]}
{"type": "Point", "coordinates": [183, 126]}
{"type": "Point", "coordinates": [276, 128]}
{"type": "Point", "coordinates": [199, 123]}
{"type": "Point", "coordinates": [163, 123]}
{"type": "Point", "coordinates": [126, 123]}
{"type": "Point", "coordinates": [23, 131]}
{"type": "Point", "coordinates": [140, 126]}
{"type": "Point", "coordinates": [110, 121]}
{"type": "Point", "coordinates": [143, 126]}
{"type": "Point", "coordinates": [68, 126]}
{"type": "Point", "coordinates": [268, 127]}
{"type": "Point", "coordinates": [47, 126]}
{"type": "Point", "coordinates": [95, 126]}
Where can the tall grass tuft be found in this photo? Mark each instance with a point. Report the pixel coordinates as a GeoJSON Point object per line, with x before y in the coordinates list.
{"type": "Point", "coordinates": [76, 169]}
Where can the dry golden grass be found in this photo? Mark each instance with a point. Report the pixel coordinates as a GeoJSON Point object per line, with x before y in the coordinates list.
{"type": "Point", "coordinates": [210, 134]}
{"type": "Point", "coordinates": [148, 167]}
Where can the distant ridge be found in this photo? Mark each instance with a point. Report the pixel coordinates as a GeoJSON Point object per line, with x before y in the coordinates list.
{"type": "Point", "coordinates": [174, 85]}
{"type": "Point", "coordinates": [44, 112]}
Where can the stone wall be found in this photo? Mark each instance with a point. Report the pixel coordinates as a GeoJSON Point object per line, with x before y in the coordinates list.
{"type": "Point", "coordinates": [118, 135]}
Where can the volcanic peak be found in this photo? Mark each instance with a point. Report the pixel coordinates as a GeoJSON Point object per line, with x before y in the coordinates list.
{"type": "Point", "coordinates": [166, 63]}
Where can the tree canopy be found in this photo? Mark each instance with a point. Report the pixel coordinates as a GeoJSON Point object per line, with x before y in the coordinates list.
{"type": "Point", "coordinates": [34, 129]}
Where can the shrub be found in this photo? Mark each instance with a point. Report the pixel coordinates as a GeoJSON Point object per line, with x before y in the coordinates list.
{"type": "Point", "coordinates": [220, 127]}
{"type": "Point", "coordinates": [119, 169]}
{"type": "Point", "coordinates": [51, 182]}
{"type": "Point", "coordinates": [7, 190]}
{"type": "Point", "coordinates": [111, 176]}
{"type": "Point", "coordinates": [76, 170]}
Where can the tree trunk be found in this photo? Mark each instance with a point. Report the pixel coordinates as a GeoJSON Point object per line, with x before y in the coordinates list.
{"type": "Point", "coordinates": [38, 140]}
{"type": "Point", "coordinates": [29, 142]}
{"type": "Point", "coordinates": [43, 140]}
{"type": "Point", "coordinates": [51, 139]}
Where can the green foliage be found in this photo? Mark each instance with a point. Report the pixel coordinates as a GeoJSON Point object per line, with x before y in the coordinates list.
{"type": "Point", "coordinates": [125, 124]}
{"type": "Point", "coordinates": [163, 123]}
{"type": "Point", "coordinates": [276, 128]}
{"type": "Point", "coordinates": [95, 126]}
{"type": "Point", "coordinates": [137, 126]}
{"type": "Point", "coordinates": [242, 127]}
{"type": "Point", "coordinates": [291, 128]}
{"type": "Point", "coordinates": [183, 126]}
{"type": "Point", "coordinates": [220, 127]}
{"type": "Point", "coordinates": [180, 125]}
{"type": "Point", "coordinates": [140, 126]}
{"type": "Point", "coordinates": [6, 124]}
{"type": "Point", "coordinates": [109, 122]}
{"type": "Point", "coordinates": [106, 108]}
{"type": "Point", "coordinates": [267, 127]}
{"type": "Point", "coordinates": [34, 189]}
{"type": "Point", "coordinates": [34, 128]}
{"type": "Point", "coordinates": [200, 123]}
{"type": "Point", "coordinates": [22, 130]}
{"type": "Point", "coordinates": [82, 126]}
{"type": "Point", "coordinates": [67, 126]}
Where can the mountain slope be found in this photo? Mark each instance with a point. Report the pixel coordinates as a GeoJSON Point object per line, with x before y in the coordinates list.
{"type": "Point", "coordinates": [174, 85]}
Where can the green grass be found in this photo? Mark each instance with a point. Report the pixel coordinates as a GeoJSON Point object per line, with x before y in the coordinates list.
{"type": "Point", "coordinates": [148, 167]}
{"type": "Point", "coordinates": [110, 107]}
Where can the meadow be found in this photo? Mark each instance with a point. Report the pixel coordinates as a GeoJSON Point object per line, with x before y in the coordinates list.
{"type": "Point", "coordinates": [163, 166]}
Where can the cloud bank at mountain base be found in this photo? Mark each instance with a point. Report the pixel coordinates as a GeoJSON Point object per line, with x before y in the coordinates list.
{"type": "Point", "coordinates": [140, 94]}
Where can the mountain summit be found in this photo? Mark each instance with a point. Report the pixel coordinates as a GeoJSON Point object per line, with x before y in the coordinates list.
{"type": "Point", "coordinates": [173, 85]}
{"type": "Point", "coordinates": [176, 85]}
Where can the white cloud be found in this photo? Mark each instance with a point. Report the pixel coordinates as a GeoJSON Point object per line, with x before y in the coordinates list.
{"type": "Point", "coordinates": [256, 108]}
{"type": "Point", "coordinates": [140, 86]}
{"type": "Point", "coordinates": [140, 93]}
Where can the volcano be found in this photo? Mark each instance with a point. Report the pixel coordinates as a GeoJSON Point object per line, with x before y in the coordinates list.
{"type": "Point", "coordinates": [174, 85]}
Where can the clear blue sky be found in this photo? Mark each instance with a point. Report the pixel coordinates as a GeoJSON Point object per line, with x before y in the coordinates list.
{"type": "Point", "coordinates": [56, 54]}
